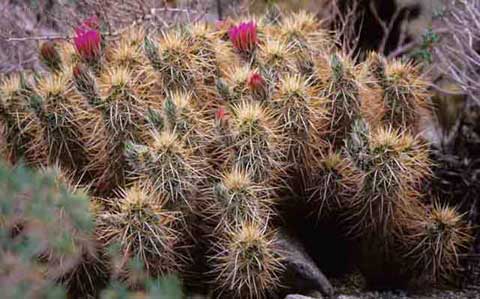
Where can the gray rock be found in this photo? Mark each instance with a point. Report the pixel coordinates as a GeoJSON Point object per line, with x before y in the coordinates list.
{"type": "Point", "coordinates": [302, 274]}
{"type": "Point", "coordinates": [296, 296]}
{"type": "Point", "coordinates": [313, 294]}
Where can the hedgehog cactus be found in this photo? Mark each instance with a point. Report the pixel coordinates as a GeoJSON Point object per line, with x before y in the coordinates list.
{"type": "Point", "coordinates": [435, 240]}
{"type": "Point", "coordinates": [305, 36]}
{"type": "Point", "coordinates": [339, 84]}
{"type": "Point", "coordinates": [236, 199]}
{"type": "Point", "coordinates": [20, 130]}
{"type": "Point", "coordinates": [405, 102]}
{"type": "Point", "coordinates": [302, 115]}
{"type": "Point", "coordinates": [63, 117]}
{"type": "Point", "coordinates": [202, 43]}
{"type": "Point", "coordinates": [122, 104]}
{"type": "Point", "coordinates": [255, 143]}
{"type": "Point", "coordinates": [334, 184]}
{"type": "Point", "coordinates": [173, 61]}
{"type": "Point", "coordinates": [168, 166]}
{"type": "Point", "coordinates": [139, 222]}
{"type": "Point", "coordinates": [276, 59]}
{"type": "Point", "coordinates": [248, 264]}
{"type": "Point", "coordinates": [182, 116]}
{"type": "Point", "coordinates": [395, 165]}
{"type": "Point", "coordinates": [215, 122]}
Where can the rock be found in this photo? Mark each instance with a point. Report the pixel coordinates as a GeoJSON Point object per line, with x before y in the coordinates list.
{"type": "Point", "coordinates": [296, 296]}
{"type": "Point", "coordinates": [302, 274]}
{"type": "Point", "coordinates": [314, 294]}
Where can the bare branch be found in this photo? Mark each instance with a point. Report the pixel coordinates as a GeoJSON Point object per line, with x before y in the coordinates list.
{"type": "Point", "coordinates": [37, 38]}
{"type": "Point", "coordinates": [153, 12]}
{"type": "Point", "coordinates": [457, 55]}
{"type": "Point", "coordinates": [387, 28]}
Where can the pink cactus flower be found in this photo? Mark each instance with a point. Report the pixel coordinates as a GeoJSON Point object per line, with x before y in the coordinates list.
{"type": "Point", "coordinates": [88, 40]}
{"type": "Point", "coordinates": [244, 36]}
{"type": "Point", "coordinates": [256, 82]}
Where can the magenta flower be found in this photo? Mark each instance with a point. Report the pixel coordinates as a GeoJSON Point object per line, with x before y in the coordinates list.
{"type": "Point", "coordinates": [244, 36]}
{"type": "Point", "coordinates": [88, 40]}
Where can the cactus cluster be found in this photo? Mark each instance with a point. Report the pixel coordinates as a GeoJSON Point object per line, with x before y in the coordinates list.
{"type": "Point", "coordinates": [221, 124]}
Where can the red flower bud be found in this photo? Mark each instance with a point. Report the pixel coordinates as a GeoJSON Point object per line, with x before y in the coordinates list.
{"type": "Point", "coordinates": [244, 37]}
{"type": "Point", "coordinates": [79, 70]}
{"type": "Point", "coordinates": [220, 114]}
{"type": "Point", "coordinates": [256, 82]}
{"type": "Point", "coordinates": [50, 56]}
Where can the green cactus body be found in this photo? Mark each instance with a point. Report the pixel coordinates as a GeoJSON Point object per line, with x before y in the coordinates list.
{"type": "Point", "coordinates": [62, 120]}
{"type": "Point", "coordinates": [21, 131]}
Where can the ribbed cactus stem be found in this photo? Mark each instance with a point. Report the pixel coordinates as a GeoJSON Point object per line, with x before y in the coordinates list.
{"type": "Point", "coordinates": [155, 119]}
{"type": "Point", "coordinates": [151, 51]}
{"type": "Point", "coordinates": [256, 141]}
{"type": "Point", "coordinates": [86, 85]}
{"type": "Point", "coordinates": [145, 230]}
{"type": "Point", "coordinates": [405, 98]}
{"type": "Point", "coordinates": [302, 115]}
{"type": "Point", "coordinates": [433, 239]}
{"type": "Point", "coordinates": [62, 127]}
{"type": "Point", "coordinates": [236, 199]}
{"type": "Point", "coordinates": [395, 166]}
{"type": "Point", "coordinates": [170, 110]}
{"type": "Point", "coordinates": [172, 59]}
{"type": "Point", "coordinates": [50, 57]}
{"type": "Point", "coordinates": [248, 263]}
{"type": "Point", "coordinates": [167, 166]}
{"type": "Point", "coordinates": [20, 130]}
{"type": "Point", "coordinates": [339, 84]}
{"type": "Point", "coordinates": [223, 89]}
{"type": "Point", "coordinates": [333, 185]}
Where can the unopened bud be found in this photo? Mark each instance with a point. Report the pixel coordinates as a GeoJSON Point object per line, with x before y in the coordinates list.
{"type": "Point", "coordinates": [50, 56]}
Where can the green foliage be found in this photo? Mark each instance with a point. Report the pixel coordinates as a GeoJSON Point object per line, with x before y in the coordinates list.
{"type": "Point", "coordinates": [424, 52]}
{"type": "Point", "coordinates": [35, 210]}
{"type": "Point", "coordinates": [169, 287]}
{"type": "Point", "coordinates": [29, 217]}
